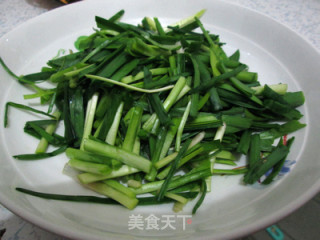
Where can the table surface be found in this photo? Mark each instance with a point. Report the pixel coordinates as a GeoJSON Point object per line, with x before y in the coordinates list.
{"type": "Point", "coordinates": [302, 16]}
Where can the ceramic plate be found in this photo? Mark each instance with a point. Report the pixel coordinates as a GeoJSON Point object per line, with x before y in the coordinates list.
{"type": "Point", "coordinates": [231, 210]}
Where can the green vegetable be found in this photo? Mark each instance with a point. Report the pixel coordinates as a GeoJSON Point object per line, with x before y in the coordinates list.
{"type": "Point", "coordinates": [153, 109]}
{"type": "Point", "coordinates": [203, 195]}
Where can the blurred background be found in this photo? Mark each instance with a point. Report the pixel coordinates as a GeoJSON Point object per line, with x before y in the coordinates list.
{"type": "Point", "coordinates": [302, 16]}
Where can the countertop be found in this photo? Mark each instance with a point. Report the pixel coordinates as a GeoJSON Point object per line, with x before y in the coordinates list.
{"type": "Point", "coordinates": [302, 16]}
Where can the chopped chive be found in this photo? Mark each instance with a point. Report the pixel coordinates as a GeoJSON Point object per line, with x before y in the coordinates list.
{"type": "Point", "coordinates": [174, 165]}
{"type": "Point", "coordinates": [161, 137]}
{"type": "Point", "coordinates": [200, 200]}
{"type": "Point", "coordinates": [12, 74]}
{"type": "Point", "coordinates": [244, 143]}
{"type": "Point", "coordinates": [218, 79]}
{"type": "Point", "coordinates": [181, 126]}
{"type": "Point", "coordinates": [38, 156]}
{"type": "Point", "coordinates": [122, 171]}
{"type": "Point", "coordinates": [133, 128]}
{"type": "Point", "coordinates": [91, 108]}
{"type": "Point", "coordinates": [118, 186]}
{"type": "Point", "coordinates": [113, 193]}
{"type": "Point", "coordinates": [196, 82]}
{"type": "Point", "coordinates": [43, 144]}
{"type": "Point", "coordinates": [96, 168]}
{"type": "Point", "coordinates": [113, 130]}
{"type": "Point", "coordinates": [129, 86]}
{"type": "Point", "coordinates": [119, 154]}
{"type": "Point", "coordinates": [23, 107]}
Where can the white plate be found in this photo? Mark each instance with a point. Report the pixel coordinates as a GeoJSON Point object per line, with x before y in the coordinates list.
{"type": "Point", "coordinates": [230, 210]}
